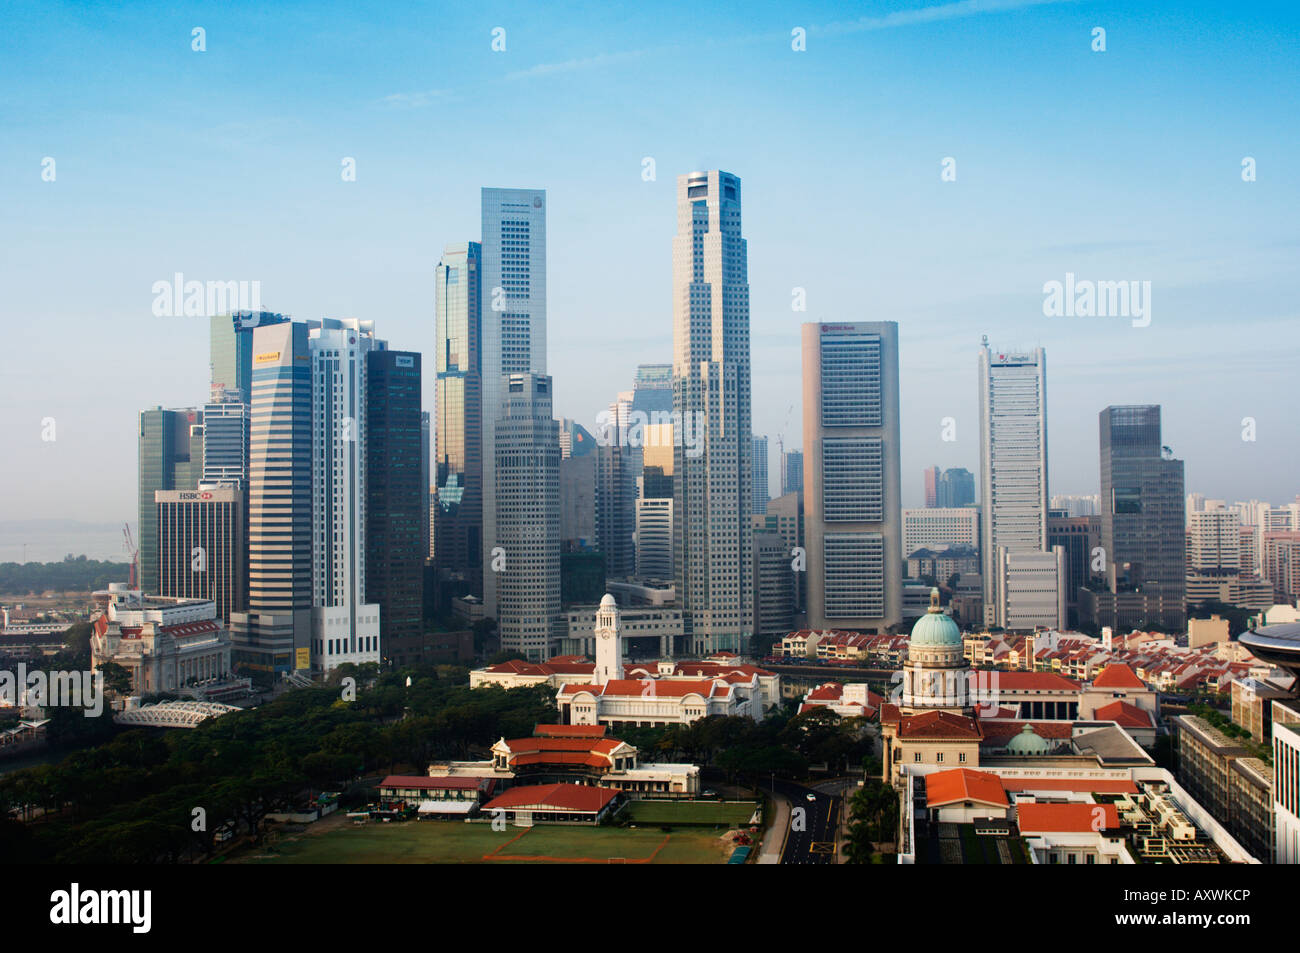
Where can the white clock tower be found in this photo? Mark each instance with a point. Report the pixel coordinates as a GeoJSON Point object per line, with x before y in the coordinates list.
{"type": "Point", "coordinates": [609, 642]}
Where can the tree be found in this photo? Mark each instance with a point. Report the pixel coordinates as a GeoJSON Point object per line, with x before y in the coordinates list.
{"type": "Point", "coordinates": [117, 679]}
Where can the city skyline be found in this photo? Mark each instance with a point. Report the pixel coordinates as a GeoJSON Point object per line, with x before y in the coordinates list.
{"type": "Point", "coordinates": [1180, 206]}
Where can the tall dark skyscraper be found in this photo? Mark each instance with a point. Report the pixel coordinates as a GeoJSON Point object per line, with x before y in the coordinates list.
{"type": "Point", "coordinates": [170, 458]}
{"type": "Point", "coordinates": [1143, 516]}
{"type": "Point", "coordinates": [956, 487]}
{"type": "Point", "coordinates": [458, 467]}
{"type": "Point", "coordinates": [395, 501]}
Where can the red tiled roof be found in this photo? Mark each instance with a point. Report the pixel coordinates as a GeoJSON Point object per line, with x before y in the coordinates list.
{"type": "Point", "coordinates": [1124, 715]}
{"type": "Point", "coordinates": [664, 689]}
{"type": "Point", "coordinates": [568, 731]}
{"type": "Point", "coordinates": [1034, 681]}
{"type": "Point", "coordinates": [939, 724]}
{"type": "Point", "coordinates": [831, 691]}
{"type": "Point", "coordinates": [424, 783]}
{"type": "Point", "coordinates": [1117, 675]}
{"type": "Point", "coordinates": [579, 798]}
{"type": "Point", "coordinates": [963, 784]}
{"type": "Point", "coordinates": [1066, 818]}
{"type": "Point", "coordinates": [1000, 730]}
{"type": "Point", "coordinates": [526, 745]}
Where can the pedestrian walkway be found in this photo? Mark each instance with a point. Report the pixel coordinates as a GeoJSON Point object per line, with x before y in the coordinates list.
{"type": "Point", "coordinates": [774, 839]}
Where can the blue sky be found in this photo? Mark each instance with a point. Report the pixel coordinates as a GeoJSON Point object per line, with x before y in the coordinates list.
{"type": "Point", "coordinates": [1122, 165]}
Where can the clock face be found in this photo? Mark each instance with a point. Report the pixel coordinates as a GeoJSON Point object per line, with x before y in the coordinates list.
{"type": "Point", "coordinates": [604, 635]}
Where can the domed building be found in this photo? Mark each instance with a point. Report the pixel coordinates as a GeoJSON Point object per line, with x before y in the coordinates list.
{"type": "Point", "coordinates": [932, 726]}
{"type": "Point", "coordinates": [936, 674]}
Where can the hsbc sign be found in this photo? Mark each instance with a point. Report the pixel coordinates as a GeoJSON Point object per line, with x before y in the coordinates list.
{"type": "Point", "coordinates": [197, 495]}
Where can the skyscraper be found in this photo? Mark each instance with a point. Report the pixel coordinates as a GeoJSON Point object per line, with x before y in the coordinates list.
{"type": "Point", "coordinates": [853, 521]}
{"type": "Point", "coordinates": [513, 308]}
{"type": "Point", "coordinates": [225, 441]}
{"type": "Point", "coordinates": [761, 494]}
{"type": "Point", "coordinates": [956, 487]}
{"type": "Point", "coordinates": [712, 457]}
{"type": "Point", "coordinates": [201, 547]}
{"type": "Point", "coordinates": [931, 486]}
{"type": "Point", "coordinates": [397, 493]}
{"type": "Point", "coordinates": [458, 469]}
{"type": "Point", "coordinates": [274, 634]}
{"type": "Point", "coordinates": [345, 625]}
{"type": "Point", "coordinates": [169, 441]}
{"type": "Point", "coordinates": [231, 349]}
{"type": "Point", "coordinates": [774, 601]}
{"type": "Point", "coordinates": [527, 561]}
{"type": "Point", "coordinates": [618, 468]}
{"type": "Point", "coordinates": [1143, 519]}
{"type": "Point", "coordinates": [1013, 461]}
{"type": "Point", "coordinates": [791, 471]}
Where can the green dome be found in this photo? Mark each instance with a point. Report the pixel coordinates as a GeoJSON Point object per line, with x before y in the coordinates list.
{"type": "Point", "coordinates": [936, 629]}
{"type": "Point", "coordinates": [1028, 742]}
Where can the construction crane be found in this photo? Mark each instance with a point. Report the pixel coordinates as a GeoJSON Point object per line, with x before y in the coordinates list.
{"type": "Point", "coordinates": [132, 550]}
{"type": "Point", "coordinates": [780, 444]}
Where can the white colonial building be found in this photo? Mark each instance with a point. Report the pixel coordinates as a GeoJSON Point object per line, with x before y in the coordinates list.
{"type": "Point", "coordinates": [166, 644]}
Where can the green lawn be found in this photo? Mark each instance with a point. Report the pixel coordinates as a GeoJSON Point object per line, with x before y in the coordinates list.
{"type": "Point", "coordinates": [689, 812]}
{"type": "Point", "coordinates": [442, 842]}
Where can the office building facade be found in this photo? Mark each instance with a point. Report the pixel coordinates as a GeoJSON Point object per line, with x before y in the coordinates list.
{"type": "Point", "coordinates": [1143, 519]}
{"type": "Point", "coordinates": [761, 494]}
{"type": "Point", "coordinates": [396, 501]}
{"type": "Point", "coordinates": [956, 488]}
{"type": "Point", "coordinates": [526, 564]}
{"type": "Point", "coordinates": [201, 547]}
{"type": "Point", "coordinates": [791, 471]}
{"type": "Point", "coordinates": [713, 457]}
{"type": "Point", "coordinates": [170, 458]}
{"type": "Point", "coordinates": [345, 626]}
{"type": "Point", "coordinates": [852, 523]}
{"type": "Point", "coordinates": [274, 634]}
{"type": "Point", "coordinates": [1013, 461]}
{"type": "Point", "coordinates": [459, 437]}
{"type": "Point", "coordinates": [513, 326]}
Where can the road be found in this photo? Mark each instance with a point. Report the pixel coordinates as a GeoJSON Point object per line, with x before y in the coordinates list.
{"type": "Point", "coordinates": [819, 820]}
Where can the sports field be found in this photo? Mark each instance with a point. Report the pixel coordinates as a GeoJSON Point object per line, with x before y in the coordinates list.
{"type": "Point", "coordinates": [442, 842]}
{"type": "Point", "coordinates": [732, 814]}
